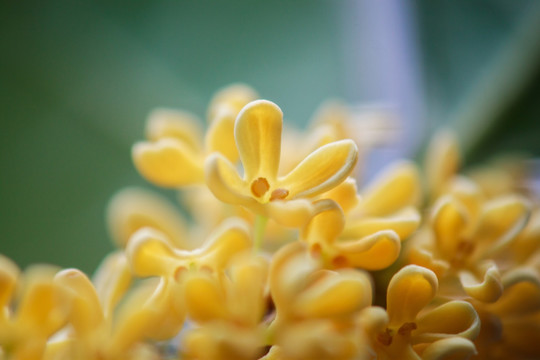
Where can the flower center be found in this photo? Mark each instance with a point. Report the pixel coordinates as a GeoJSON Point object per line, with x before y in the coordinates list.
{"type": "Point", "coordinates": [385, 338]}
{"type": "Point", "coordinates": [259, 187]}
{"type": "Point", "coordinates": [407, 328]}
{"type": "Point", "coordinates": [463, 250]}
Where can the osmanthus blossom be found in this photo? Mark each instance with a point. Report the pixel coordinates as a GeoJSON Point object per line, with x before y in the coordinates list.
{"type": "Point", "coordinates": [314, 307]}
{"type": "Point", "coordinates": [411, 327]}
{"type": "Point", "coordinates": [42, 308]}
{"type": "Point", "coordinates": [285, 199]}
{"type": "Point", "coordinates": [227, 311]}
{"type": "Point", "coordinates": [175, 151]}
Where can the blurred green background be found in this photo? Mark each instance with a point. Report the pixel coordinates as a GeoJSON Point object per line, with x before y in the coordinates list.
{"type": "Point", "coordinates": [77, 80]}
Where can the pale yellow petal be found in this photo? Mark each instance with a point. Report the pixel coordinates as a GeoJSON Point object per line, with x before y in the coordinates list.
{"type": "Point", "coordinates": [404, 223]}
{"type": "Point", "coordinates": [177, 124]}
{"type": "Point", "coordinates": [133, 209]}
{"type": "Point", "coordinates": [450, 319]}
{"type": "Point", "coordinates": [112, 279]}
{"type": "Point", "coordinates": [230, 238]}
{"type": "Point", "coordinates": [150, 254]}
{"type": "Point", "coordinates": [220, 135]}
{"type": "Point", "coordinates": [502, 220]}
{"type": "Point", "coordinates": [257, 133]}
{"type": "Point", "coordinates": [398, 186]}
{"type": "Point", "coordinates": [337, 294]}
{"type": "Point", "coordinates": [322, 170]}
{"type": "Point", "coordinates": [455, 348]}
{"type": "Point", "coordinates": [233, 97]}
{"type": "Point", "coordinates": [291, 213]}
{"type": "Point", "coordinates": [409, 291]}
{"type": "Point", "coordinates": [168, 162]}
{"type": "Point", "coordinates": [488, 289]}
{"type": "Point", "coordinates": [326, 225]}
{"type": "Point", "coordinates": [9, 274]}
{"type": "Point", "coordinates": [225, 183]}
{"type": "Point", "coordinates": [519, 299]}
{"type": "Point", "coordinates": [442, 161]}
{"type": "Point", "coordinates": [205, 299]}
{"type": "Point", "coordinates": [425, 258]}
{"type": "Point", "coordinates": [449, 220]}
{"type": "Point", "coordinates": [345, 194]}
{"type": "Point", "coordinates": [374, 252]}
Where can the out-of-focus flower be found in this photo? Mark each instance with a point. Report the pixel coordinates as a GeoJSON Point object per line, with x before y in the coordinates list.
{"type": "Point", "coordinates": [411, 328]}
{"type": "Point", "coordinates": [284, 199]}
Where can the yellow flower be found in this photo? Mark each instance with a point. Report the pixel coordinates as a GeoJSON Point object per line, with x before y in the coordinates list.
{"type": "Point", "coordinates": [174, 156]}
{"type": "Point", "coordinates": [411, 329]}
{"type": "Point", "coordinates": [258, 138]}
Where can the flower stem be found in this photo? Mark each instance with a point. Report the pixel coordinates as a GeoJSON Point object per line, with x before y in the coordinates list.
{"type": "Point", "coordinates": [258, 232]}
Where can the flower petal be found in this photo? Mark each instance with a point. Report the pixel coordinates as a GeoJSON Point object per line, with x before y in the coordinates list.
{"type": "Point", "coordinates": [168, 162]}
{"type": "Point", "coordinates": [449, 220]}
{"type": "Point", "coordinates": [9, 274]}
{"type": "Point", "coordinates": [326, 225]}
{"type": "Point", "coordinates": [396, 187]}
{"type": "Point", "coordinates": [521, 296]}
{"type": "Point", "coordinates": [450, 319]}
{"type": "Point", "coordinates": [502, 220]}
{"type": "Point", "coordinates": [180, 125]}
{"type": "Point", "coordinates": [86, 313]}
{"type": "Point", "coordinates": [220, 135]}
{"type": "Point", "coordinates": [132, 209]}
{"type": "Point", "coordinates": [373, 252]}
{"type": "Point", "coordinates": [205, 300]}
{"type": "Point", "coordinates": [442, 161]}
{"type": "Point", "coordinates": [225, 183]}
{"type": "Point", "coordinates": [451, 348]}
{"type": "Point", "coordinates": [291, 213]}
{"type": "Point", "coordinates": [409, 291]}
{"type": "Point", "coordinates": [233, 97]}
{"type": "Point", "coordinates": [322, 170]}
{"type": "Point", "coordinates": [404, 223]}
{"type": "Point", "coordinates": [112, 279]}
{"type": "Point", "coordinates": [345, 194]}
{"type": "Point", "coordinates": [258, 137]}
{"type": "Point", "coordinates": [488, 290]}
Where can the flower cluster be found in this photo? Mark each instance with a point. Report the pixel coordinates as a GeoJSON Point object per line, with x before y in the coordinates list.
{"type": "Point", "coordinates": [285, 259]}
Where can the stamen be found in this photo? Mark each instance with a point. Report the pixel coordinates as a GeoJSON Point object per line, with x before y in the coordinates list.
{"type": "Point", "coordinates": [407, 328]}
{"type": "Point", "coordinates": [316, 250]}
{"type": "Point", "coordinates": [259, 187]}
{"type": "Point", "coordinates": [279, 194]}
{"type": "Point", "coordinates": [463, 250]}
{"type": "Point", "coordinates": [385, 338]}
{"type": "Point", "coordinates": [340, 261]}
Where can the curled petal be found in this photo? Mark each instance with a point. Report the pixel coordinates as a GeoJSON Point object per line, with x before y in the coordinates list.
{"type": "Point", "coordinates": [326, 225]}
{"type": "Point", "coordinates": [451, 348]}
{"type": "Point", "coordinates": [338, 293]}
{"type": "Point", "coordinates": [403, 223]}
{"type": "Point", "coordinates": [502, 220]}
{"type": "Point", "coordinates": [133, 209]}
{"type": "Point", "coordinates": [397, 187]}
{"type": "Point", "coordinates": [176, 124]}
{"type": "Point", "coordinates": [112, 280]}
{"type": "Point", "coordinates": [292, 213]}
{"type": "Point", "coordinates": [168, 162]}
{"type": "Point", "coordinates": [230, 238]}
{"type": "Point", "coordinates": [442, 161]}
{"type": "Point", "coordinates": [409, 291]}
{"type": "Point", "coordinates": [373, 252]}
{"type": "Point", "coordinates": [258, 137]}
{"type": "Point", "coordinates": [233, 97]}
{"type": "Point", "coordinates": [86, 313]}
{"type": "Point", "coordinates": [520, 297]}
{"type": "Point", "coordinates": [322, 170]}
{"type": "Point", "coordinates": [224, 182]}
{"type": "Point", "coordinates": [425, 258]}
{"type": "Point", "coordinates": [9, 273]}
{"type": "Point", "coordinates": [450, 319]}
{"type": "Point", "coordinates": [220, 136]}
{"type": "Point", "coordinates": [150, 254]}
{"type": "Point", "coordinates": [488, 290]}
{"type": "Point", "coordinates": [449, 219]}
{"type": "Point", "coordinates": [345, 194]}
{"type": "Point", "coordinates": [205, 300]}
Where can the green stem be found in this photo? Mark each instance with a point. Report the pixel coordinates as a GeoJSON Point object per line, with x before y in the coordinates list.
{"type": "Point", "coordinates": [258, 232]}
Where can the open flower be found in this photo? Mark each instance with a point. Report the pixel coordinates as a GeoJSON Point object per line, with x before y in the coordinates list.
{"type": "Point", "coordinates": [258, 138]}
{"type": "Point", "coordinates": [411, 329]}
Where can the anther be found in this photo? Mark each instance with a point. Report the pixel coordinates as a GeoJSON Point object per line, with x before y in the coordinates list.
{"type": "Point", "coordinates": [407, 328]}
{"type": "Point", "coordinates": [340, 261]}
{"type": "Point", "coordinates": [279, 194]}
{"type": "Point", "coordinates": [259, 187]}
{"type": "Point", "coordinates": [385, 338]}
